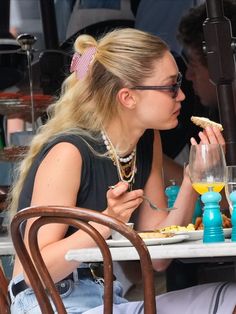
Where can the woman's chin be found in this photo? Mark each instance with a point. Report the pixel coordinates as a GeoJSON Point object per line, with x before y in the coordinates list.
{"type": "Point", "coordinates": [171, 125]}
{"type": "Point", "coordinates": [167, 126]}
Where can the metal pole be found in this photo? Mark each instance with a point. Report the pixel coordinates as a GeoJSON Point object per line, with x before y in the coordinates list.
{"type": "Point", "coordinates": [49, 24]}
{"type": "Point", "coordinates": [219, 50]}
{"type": "Point", "coordinates": [27, 41]}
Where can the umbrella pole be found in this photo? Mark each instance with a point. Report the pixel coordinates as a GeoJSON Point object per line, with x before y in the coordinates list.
{"type": "Point", "coordinates": [219, 47]}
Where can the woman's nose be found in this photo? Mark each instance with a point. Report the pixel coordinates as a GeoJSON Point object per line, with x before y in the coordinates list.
{"type": "Point", "coordinates": [180, 95]}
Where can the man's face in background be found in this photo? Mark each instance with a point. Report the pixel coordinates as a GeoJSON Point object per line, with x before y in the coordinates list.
{"type": "Point", "coordinates": [198, 74]}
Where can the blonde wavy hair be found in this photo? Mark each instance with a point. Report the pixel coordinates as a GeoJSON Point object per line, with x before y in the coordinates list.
{"type": "Point", "coordinates": [124, 58]}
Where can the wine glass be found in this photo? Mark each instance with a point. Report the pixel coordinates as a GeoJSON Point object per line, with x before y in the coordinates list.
{"type": "Point", "coordinates": [207, 170]}
{"type": "Point", "coordinates": [207, 167]}
{"type": "Point", "coordinates": [230, 185]}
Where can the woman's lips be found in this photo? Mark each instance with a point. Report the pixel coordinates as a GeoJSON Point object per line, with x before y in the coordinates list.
{"type": "Point", "coordinates": [177, 112]}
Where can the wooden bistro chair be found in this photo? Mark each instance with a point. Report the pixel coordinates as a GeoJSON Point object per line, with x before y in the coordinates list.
{"type": "Point", "coordinates": [4, 300]}
{"type": "Point", "coordinates": [78, 218]}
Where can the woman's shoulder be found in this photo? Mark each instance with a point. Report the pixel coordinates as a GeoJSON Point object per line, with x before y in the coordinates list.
{"type": "Point", "coordinates": [83, 143]}
{"type": "Point", "coordinates": [77, 140]}
{"type": "Point", "coordinates": [72, 138]}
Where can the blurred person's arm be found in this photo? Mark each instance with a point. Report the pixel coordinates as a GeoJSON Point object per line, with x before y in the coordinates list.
{"type": "Point", "coordinates": [14, 125]}
{"type": "Point", "coordinates": [15, 18]}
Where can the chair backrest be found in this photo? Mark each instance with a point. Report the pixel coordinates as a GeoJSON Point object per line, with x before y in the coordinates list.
{"type": "Point", "coordinates": [79, 218]}
{"type": "Point", "coordinates": [4, 300]}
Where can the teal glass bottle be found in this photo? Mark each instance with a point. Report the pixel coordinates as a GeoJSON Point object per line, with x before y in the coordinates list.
{"type": "Point", "coordinates": [232, 197]}
{"type": "Point", "coordinates": [171, 192]}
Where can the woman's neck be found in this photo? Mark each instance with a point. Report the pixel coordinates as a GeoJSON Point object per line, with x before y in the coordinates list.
{"type": "Point", "coordinates": [123, 137]}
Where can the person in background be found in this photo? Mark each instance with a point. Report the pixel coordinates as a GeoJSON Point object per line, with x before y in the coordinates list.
{"type": "Point", "coordinates": [14, 125]}
{"type": "Point", "coordinates": [23, 16]}
{"type": "Point", "coordinates": [11, 69]}
{"type": "Point", "coordinates": [190, 35]}
{"type": "Point", "coordinates": [201, 99]}
{"type": "Point", "coordinates": [15, 18]}
{"type": "Point", "coordinates": [103, 131]}
{"type": "Point", "coordinates": [161, 18]}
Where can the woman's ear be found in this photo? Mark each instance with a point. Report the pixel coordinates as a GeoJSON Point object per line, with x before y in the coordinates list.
{"type": "Point", "coordinates": [126, 97]}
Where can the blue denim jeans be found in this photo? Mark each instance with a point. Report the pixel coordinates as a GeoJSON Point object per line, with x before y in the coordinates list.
{"type": "Point", "coordinates": [80, 296]}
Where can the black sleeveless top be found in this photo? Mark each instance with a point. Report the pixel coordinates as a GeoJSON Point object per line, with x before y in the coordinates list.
{"type": "Point", "coordinates": [98, 172]}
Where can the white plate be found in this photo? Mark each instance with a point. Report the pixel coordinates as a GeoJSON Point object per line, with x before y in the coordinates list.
{"type": "Point", "coordinates": [151, 241]}
{"type": "Point", "coordinates": [198, 234]}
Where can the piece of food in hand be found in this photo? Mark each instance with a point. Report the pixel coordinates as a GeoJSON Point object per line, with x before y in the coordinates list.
{"type": "Point", "coordinates": [154, 234]}
{"type": "Point", "coordinates": [174, 228]}
{"type": "Point", "coordinates": [204, 122]}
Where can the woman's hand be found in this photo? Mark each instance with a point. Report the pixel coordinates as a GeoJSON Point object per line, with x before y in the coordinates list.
{"type": "Point", "coordinates": [210, 135]}
{"type": "Point", "coordinates": [121, 203]}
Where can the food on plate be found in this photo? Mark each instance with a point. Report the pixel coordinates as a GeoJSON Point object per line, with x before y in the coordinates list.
{"type": "Point", "coordinates": [154, 234]}
{"type": "Point", "coordinates": [198, 223]}
{"type": "Point", "coordinates": [174, 228]}
{"type": "Point", "coordinates": [226, 222]}
{"type": "Point", "coordinates": [197, 226]}
{"type": "Point", "coordinates": [204, 122]}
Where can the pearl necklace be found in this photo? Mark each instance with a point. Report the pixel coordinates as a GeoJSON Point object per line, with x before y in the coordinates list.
{"type": "Point", "coordinates": [110, 148]}
{"type": "Point", "coordinates": [117, 160]}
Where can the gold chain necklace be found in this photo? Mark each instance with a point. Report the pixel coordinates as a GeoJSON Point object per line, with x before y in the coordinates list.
{"type": "Point", "coordinates": [126, 172]}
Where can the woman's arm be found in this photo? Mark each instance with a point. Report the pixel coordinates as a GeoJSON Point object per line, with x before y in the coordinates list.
{"type": "Point", "coordinates": [185, 201]}
{"type": "Point", "coordinates": [57, 182]}
{"type": "Point", "coordinates": [150, 219]}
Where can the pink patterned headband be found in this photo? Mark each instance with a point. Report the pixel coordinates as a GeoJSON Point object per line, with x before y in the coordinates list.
{"type": "Point", "coordinates": [80, 62]}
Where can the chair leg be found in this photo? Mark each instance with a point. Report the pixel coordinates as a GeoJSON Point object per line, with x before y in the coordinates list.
{"type": "Point", "coordinates": [4, 301]}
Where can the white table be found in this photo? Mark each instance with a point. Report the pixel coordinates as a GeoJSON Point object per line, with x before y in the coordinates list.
{"type": "Point", "coordinates": [183, 250]}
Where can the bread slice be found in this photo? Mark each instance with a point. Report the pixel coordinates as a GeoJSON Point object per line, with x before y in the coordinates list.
{"type": "Point", "coordinates": [204, 122]}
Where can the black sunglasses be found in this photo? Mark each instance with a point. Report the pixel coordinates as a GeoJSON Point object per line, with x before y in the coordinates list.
{"type": "Point", "coordinates": [174, 88]}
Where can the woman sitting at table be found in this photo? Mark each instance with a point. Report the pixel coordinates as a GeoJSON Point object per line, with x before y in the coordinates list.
{"type": "Point", "coordinates": [103, 131]}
